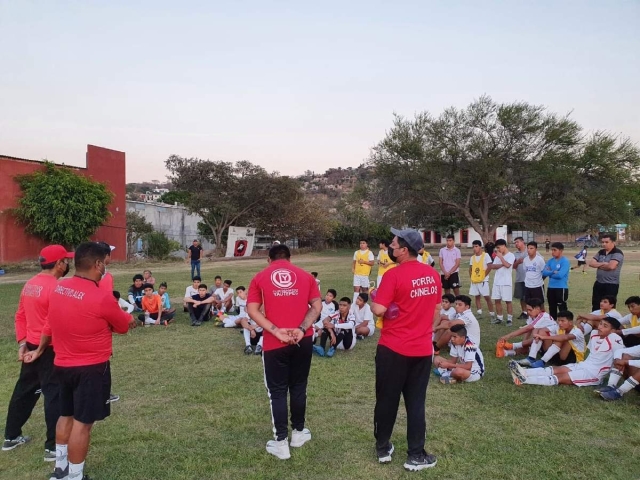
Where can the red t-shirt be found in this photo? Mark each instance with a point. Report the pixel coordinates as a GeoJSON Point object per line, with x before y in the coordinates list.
{"type": "Point", "coordinates": [106, 283]}
{"type": "Point", "coordinates": [33, 307]}
{"type": "Point", "coordinates": [81, 319]}
{"type": "Point", "coordinates": [417, 290]}
{"type": "Point", "coordinates": [285, 291]}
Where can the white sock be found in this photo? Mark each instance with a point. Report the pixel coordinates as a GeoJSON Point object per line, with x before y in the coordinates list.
{"type": "Point", "coordinates": [509, 318]}
{"type": "Point", "coordinates": [509, 353]}
{"type": "Point", "coordinates": [547, 380]}
{"type": "Point", "coordinates": [630, 384]}
{"type": "Point", "coordinates": [76, 470]}
{"type": "Point", "coordinates": [479, 312]}
{"type": "Point", "coordinates": [539, 372]}
{"type": "Point", "coordinates": [551, 351]}
{"type": "Point", "coordinates": [614, 378]}
{"type": "Point", "coordinates": [260, 341]}
{"type": "Point", "coordinates": [587, 328]}
{"type": "Point", "coordinates": [517, 345]}
{"type": "Point", "coordinates": [500, 317]}
{"type": "Point", "coordinates": [61, 456]}
{"type": "Point", "coordinates": [247, 337]}
{"type": "Point", "coordinates": [535, 348]}
{"type": "Point", "coordinates": [492, 314]}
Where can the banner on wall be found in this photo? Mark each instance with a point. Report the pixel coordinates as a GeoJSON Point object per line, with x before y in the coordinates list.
{"type": "Point", "coordinates": [240, 241]}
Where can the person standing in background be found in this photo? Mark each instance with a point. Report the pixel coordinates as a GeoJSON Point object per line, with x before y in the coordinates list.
{"type": "Point", "coordinates": [194, 253]}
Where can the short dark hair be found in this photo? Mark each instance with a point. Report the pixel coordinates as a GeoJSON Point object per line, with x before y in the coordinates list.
{"type": "Point", "coordinates": [315, 274]}
{"type": "Point", "coordinates": [227, 282]}
{"type": "Point", "coordinates": [501, 241]}
{"type": "Point", "coordinates": [386, 243]}
{"type": "Point", "coordinates": [450, 237]}
{"type": "Point", "coordinates": [449, 296]}
{"type": "Point", "coordinates": [403, 243]}
{"type": "Point", "coordinates": [138, 276]}
{"type": "Point", "coordinates": [116, 294]}
{"type": "Point", "coordinates": [477, 242]}
{"type": "Point", "coordinates": [614, 322]}
{"type": "Point", "coordinates": [459, 330]}
{"type": "Point", "coordinates": [565, 314]}
{"type": "Point", "coordinates": [48, 266]}
{"type": "Point", "coordinates": [535, 302]}
{"type": "Point", "coordinates": [87, 254]}
{"type": "Point", "coordinates": [612, 299]}
{"type": "Point", "coordinates": [197, 277]}
{"type": "Point", "coordinates": [346, 299]}
{"type": "Point", "coordinates": [557, 245]}
{"type": "Point", "coordinates": [279, 252]}
{"type": "Point", "coordinates": [163, 284]}
{"type": "Point", "coordinates": [364, 240]}
{"type": "Point", "coordinates": [196, 240]}
{"type": "Point", "coordinates": [147, 285]}
{"type": "Point", "coordinates": [217, 277]}
{"type": "Point", "coordinates": [610, 236]}
{"type": "Point", "coordinates": [203, 285]}
{"type": "Point", "coordinates": [464, 299]}
{"type": "Point", "coordinates": [332, 292]}
{"type": "Point", "coordinates": [533, 244]}
{"type": "Point", "coordinates": [364, 296]}
{"type": "Point", "coordinates": [518, 238]}
{"type": "Point", "coordinates": [241, 287]}
{"type": "Point", "coordinates": [106, 246]}
{"type": "Point", "coordinates": [634, 299]}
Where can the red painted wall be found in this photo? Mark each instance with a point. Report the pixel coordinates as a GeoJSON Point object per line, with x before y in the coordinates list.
{"type": "Point", "coordinates": [103, 165]}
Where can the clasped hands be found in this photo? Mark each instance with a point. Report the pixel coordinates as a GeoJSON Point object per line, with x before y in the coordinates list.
{"type": "Point", "coordinates": [290, 336]}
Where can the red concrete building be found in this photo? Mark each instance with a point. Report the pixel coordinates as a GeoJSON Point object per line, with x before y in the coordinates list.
{"type": "Point", "coordinates": [103, 165]}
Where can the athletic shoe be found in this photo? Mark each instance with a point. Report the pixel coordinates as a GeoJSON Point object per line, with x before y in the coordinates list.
{"type": "Point", "coordinates": [537, 364]}
{"type": "Point", "coordinates": [523, 316]}
{"type": "Point", "coordinates": [517, 371]}
{"type": "Point", "coordinates": [279, 449]}
{"type": "Point", "coordinates": [318, 350]}
{"type": "Point", "coordinates": [258, 350]}
{"type": "Point", "coordinates": [385, 457]}
{"type": "Point", "coordinates": [420, 462]}
{"type": "Point", "coordinates": [526, 362]}
{"type": "Point", "coordinates": [248, 350]}
{"type": "Point", "coordinates": [611, 395]}
{"type": "Point", "coordinates": [197, 324]}
{"type": "Point", "coordinates": [508, 346]}
{"type": "Point", "coordinates": [360, 337]}
{"type": "Point", "coordinates": [509, 323]}
{"type": "Point", "coordinates": [331, 352]}
{"type": "Point", "coordinates": [447, 380]}
{"type": "Point", "coordinates": [49, 455]}
{"type": "Point", "coordinates": [219, 324]}
{"type": "Point", "coordinates": [16, 442]}
{"type": "Point", "coordinates": [299, 438]}
{"type": "Point", "coordinates": [437, 372]}
{"type": "Point", "coordinates": [500, 349]}
{"type": "Point", "coordinates": [479, 313]}
{"type": "Point", "coordinates": [113, 398]}
{"type": "Point", "coordinates": [606, 388]}
{"type": "Point", "coordinates": [60, 474]}
{"type": "Point", "coordinates": [495, 321]}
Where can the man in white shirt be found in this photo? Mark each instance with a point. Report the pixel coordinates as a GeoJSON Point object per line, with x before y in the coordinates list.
{"type": "Point", "coordinates": [365, 325]}
{"type": "Point", "coordinates": [502, 281]}
{"type": "Point", "coordinates": [223, 297]}
{"type": "Point", "coordinates": [449, 259]}
{"type": "Point", "coordinates": [533, 265]}
{"type": "Point", "coordinates": [191, 290]}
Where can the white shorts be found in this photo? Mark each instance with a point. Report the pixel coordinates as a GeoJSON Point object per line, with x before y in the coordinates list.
{"type": "Point", "coordinates": [370, 325]}
{"type": "Point", "coordinates": [479, 289]}
{"type": "Point", "coordinates": [502, 292]}
{"type": "Point", "coordinates": [361, 281]}
{"type": "Point", "coordinates": [474, 377]}
{"type": "Point", "coordinates": [582, 376]}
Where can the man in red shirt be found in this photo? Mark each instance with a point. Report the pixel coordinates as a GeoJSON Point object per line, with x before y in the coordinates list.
{"type": "Point", "coordinates": [291, 302]}
{"type": "Point", "coordinates": [405, 350]}
{"type": "Point", "coordinates": [34, 377]}
{"type": "Point", "coordinates": [80, 323]}
{"type": "Point", "coordinates": [106, 282]}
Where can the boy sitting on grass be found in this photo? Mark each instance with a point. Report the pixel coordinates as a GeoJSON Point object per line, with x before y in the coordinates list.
{"type": "Point", "coordinates": [233, 321]}
{"type": "Point", "coordinates": [166, 301]}
{"type": "Point", "coordinates": [568, 345]}
{"type": "Point", "coordinates": [447, 313]}
{"type": "Point", "coordinates": [630, 322]}
{"type": "Point", "coordinates": [329, 308]}
{"type": "Point", "coordinates": [592, 371]}
{"type": "Point", "coordinates": [464, 316]}
{"type": "Point", "coordinates": [191, 290]}
{"type": "Point", "coordinates": [538, 323]}
{"type": "Point", "coordinates": [588, 321]}
{"type": "Point", "coordinates": [124, 305]}
{"type": "Point", "coordinates": [152, 307]}
{"type": "Point", "coordinates": [198, 306]}
{"type": "Point", "coordinates": [466, 363]}
{"type": "Point", "coordinates": [339, 330]}
{"type": "Point", "coordinates": [626, 364]}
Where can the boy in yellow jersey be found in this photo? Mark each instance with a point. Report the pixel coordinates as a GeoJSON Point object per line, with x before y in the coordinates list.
{"type": "Point", "coordinates": [425, 257]}
{"type": "Point", "coordinates": [384, 261]}
{"type": "Point", "coordinates": [588, 321]}
{"type": "Point", "coordinates": [363, 260]}
{"type": "Point", "coordinates": [631, 331]}
{"type": "Point", "coordinates": [479, 274]}
{"type": "Point", "coordinates": [568, 344]}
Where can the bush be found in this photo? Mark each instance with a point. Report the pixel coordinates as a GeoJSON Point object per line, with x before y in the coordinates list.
{"type": "Point", "coordinates": [160, 246]}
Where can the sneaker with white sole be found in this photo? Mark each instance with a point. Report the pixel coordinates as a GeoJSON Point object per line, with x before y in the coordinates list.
{"type": "Point", "coordinates": [279, 449]}
{"type": "Point", "coordinates": [113, 398]}
{"type": "Point", "coordinates": [416, 463]}
{"type": "Point", "coordinates": [258, 350]}
{"type": "Point", "coordinates": [299, 438]}
{"type": "Point", "coordinates": [49, 455]}
{"type": "Point", "coordinates": [16, 442]}
{"type": "Point", "coordinates": [385, 457]}
{"type": "Point", "coordinates": [60, 474]}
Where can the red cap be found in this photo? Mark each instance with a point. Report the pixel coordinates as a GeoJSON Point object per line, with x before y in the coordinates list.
{"type": "Point", "coordinates": [53, 253]}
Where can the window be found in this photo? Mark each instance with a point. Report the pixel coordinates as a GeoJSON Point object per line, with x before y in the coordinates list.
{"type": "Point", "coordinates": [464, 236]}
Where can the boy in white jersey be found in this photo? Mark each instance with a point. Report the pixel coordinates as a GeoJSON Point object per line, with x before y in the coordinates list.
{"type": "Point", "coordinates": [365, 325]}
{"type": "Point", "coordinates": [588, 321]}
{"type": "Point", "coordinates": [363, 260]}
{"type": "Point", "coordinates": [233, 321]}
{"type": "Point", "coordinates": [466, 363]}
{"type": "Point", "coordinates": [630, 322]}
{"type": "Point", "coordinates": [592, 371]}
{"type": "Point", "coordinates": [479, 274]}
{"type": "Point", "coordinates": [329, 307]}
{"type": "Point", "coordinates": [252, 332]}
{"type": "Point", "coordinates": [502, 281]}
{"type": "Point", "coordinates": [626, 364]}
{"type": "Point", "coordinates": [447, 314]}
{"type": "Point", "coordinates": [223, 297]}
{"type": "Point", "coordinates": [464, 316]}
{"type": "Point", "coordinates": [538, 323]}
{"type": "Point", "coordinates": [191, 291]}
{"type": "Point", "coordinates": [568, 344]}
{"type": "Point", "coordinates": [338, 329]}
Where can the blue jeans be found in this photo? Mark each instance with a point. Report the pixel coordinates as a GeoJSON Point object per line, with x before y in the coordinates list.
{"type": "Point", "coordinates": [195, 265]}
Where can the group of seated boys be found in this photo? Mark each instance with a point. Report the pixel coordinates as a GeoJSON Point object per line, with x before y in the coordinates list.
{"type": "Point", "coordinates": [154, 305]}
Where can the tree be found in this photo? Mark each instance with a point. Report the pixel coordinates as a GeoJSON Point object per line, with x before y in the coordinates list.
{"type": "Point", "coordinates": [174, 196]}
{"type": "Point", "coordinates": [491, 164]}
{"type": "Point", "coordinates": [137, 228]}
{"type": "Point", "coordinates": [60, 206]}
{"type": "Point", "coordinates": [159, 245]}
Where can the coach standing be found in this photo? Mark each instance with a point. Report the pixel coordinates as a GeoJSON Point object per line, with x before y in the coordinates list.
{"type": "Point", "coordinates": [404, 354]}
{"type": "Point", "coordinates": [291, 302]}
{"type": "Point", "coordinates": [80, 323]}
{"type": "Point", "coordinates": [34, 377]}
{"type": "Point", "coordinates": [608, 263]}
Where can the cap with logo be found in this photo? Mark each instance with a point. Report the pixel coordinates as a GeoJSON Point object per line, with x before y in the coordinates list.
{"type": "Point", "coordinates": [53, 253]}
{"type": "Point", "coordinates": [411, 236]}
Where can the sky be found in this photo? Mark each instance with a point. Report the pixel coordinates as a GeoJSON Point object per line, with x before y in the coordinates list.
{"type": "Point", "coordinates": [295, 86]}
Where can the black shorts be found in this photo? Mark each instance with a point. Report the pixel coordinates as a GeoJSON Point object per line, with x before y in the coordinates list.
{"type": "Point", "coordinates": [581, 262]}
{"type": "Point", "coordinates": [453, 282]}
{"type": "Point", "coordinates": [530, 293]}
{"type": "Point", "coordinates": [518, 291]}
{"type": "Point", "coordinates": [85, 391]}
{"type": "Point", "coordinates": [557, 361]}
{"type": "Point", "coordinates": [254, 341]}
{"type": "Point", "coordinates": [631, 340]}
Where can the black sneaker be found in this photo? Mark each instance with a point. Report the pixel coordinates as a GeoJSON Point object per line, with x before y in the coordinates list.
{"type": "Point", "coordinates": [113, 398]}
{"type": "Point", "coordinates": [60, 474]}
{"type": "Point", "coordinates": [16, 442]}
{"type": "Point", "coordinates": [360, 337]}
{"type": "Point", "coordinates": [523, 316]}
{"type": "Point", "coordinates": [258, 350]}
{"type": "Point", "coordinates": [248, 350]}
{"type": "Point", "coordinates": [420, 462]}
{"type": "Point", "coordinates": [385, 457]}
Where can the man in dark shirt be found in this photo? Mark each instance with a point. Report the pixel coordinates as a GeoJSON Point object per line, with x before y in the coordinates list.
{"type": "Point", "coordinates": [608, 263]}
{"type": "Point", "coordinates": [198, 310]}
{"type": "Point", "coordinates": [193, 253]}
{"type": "Point", "coordinates": [136, 292]}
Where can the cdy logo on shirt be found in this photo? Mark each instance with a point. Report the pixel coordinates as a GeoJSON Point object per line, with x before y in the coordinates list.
{"type": "Point", "coordinates": [284, 280]}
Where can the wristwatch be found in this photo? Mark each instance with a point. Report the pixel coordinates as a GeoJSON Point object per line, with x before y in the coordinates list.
{"type": "Point", "coordinates": [304, 330]}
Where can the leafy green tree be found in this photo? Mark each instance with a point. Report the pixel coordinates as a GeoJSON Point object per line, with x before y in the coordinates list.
{"type": "Point", "coordinates": [137, 228]}
{"type": "Point", "coordinates": [60, 206]}
{"type": "Point", "coordinates": [175, 196]}
{"type": "Point", "coordinates": [159, 245]}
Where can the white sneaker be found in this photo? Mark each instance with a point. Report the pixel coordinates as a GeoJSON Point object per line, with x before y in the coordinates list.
{"type": "Point", "coordinates": [279, 449]}
{"type": "Point", "coordinates": [300, 438]}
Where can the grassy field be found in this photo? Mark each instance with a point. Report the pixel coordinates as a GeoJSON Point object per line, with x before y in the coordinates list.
{"type": "Point", "coordinates": [194, 407]}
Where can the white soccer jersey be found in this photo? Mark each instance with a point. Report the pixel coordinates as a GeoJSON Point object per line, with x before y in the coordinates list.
{"type": "Point", "coordinates": [503, 274]}
{"type": "Point", "coordinates": [220, 293]}
{"type": "Point", "coordinates": [578, 345]}
{"type": "Point", "coordinates": [242, 306]}
{"type": "Point", "coordinates": [543, 320]}
{"type": "Point", "coordinates": [613, 313]}
{"type": "Point", "coordinates": [533, 271]}
{"type": "Point", "coordinates": [190, 292]}
{"type": "Point", "coordinates": [469, 352]}
{"type": "Point", "coordinates": [471, 324]}
{"type": "Point", "coordinates": [451, 313]}
{"type": "Point", "coordinates": [328, 309]}
{"type": "Point", "coordinates": [363, 314]}
{"type": "Point", "coordinates": [601, 351]}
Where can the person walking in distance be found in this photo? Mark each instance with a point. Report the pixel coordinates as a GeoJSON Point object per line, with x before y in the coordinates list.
{"type": "Point", "coordinates": [608, 262]}
{"type": "Point", "coordinates": [80, 323]}
{"type": "Point", "coordinates": [409, 301]}
{"type": "Point", "coordinates": [285, 301]}
{"type": "Point", "coordinates": [449, 259]}
{"type": "Point", "coordinates": [193, 254]}
{"type": "Point", "coordinates": [37, 376]}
